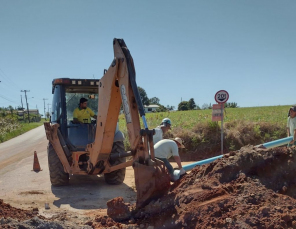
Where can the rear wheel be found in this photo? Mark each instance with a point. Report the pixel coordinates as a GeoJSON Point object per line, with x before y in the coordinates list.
{"type": "Point", "coordinates": [58, 177]}
{"type": "Point", "coordinates": [116, 177]}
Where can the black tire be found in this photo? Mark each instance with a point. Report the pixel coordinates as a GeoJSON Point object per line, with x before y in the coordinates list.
{"type": "Point", "coordinates": [58, 177]}
{"type": "Point", "coordinates": [116, 177]}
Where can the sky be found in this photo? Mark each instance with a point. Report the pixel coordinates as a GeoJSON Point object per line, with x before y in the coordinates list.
{"type": "Point", "coordinates": [181, 49]}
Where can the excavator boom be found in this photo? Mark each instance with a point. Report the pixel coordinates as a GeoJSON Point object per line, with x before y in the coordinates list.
{"type": "Point", "coordinates": [118, 86]}
{"type": "Point", "coordinates": [115, 89]}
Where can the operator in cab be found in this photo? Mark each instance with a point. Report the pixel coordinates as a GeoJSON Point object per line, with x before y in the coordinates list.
{"type": "Point", "coordinates": [83, 114]}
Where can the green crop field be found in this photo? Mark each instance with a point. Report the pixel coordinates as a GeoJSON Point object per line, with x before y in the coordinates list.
{"type": "Point", "coordinates": [189, 119]}
{"type": "Point", "coordinates": [242, 126]}
{"type": "Point", "coordinates": [252, 125]}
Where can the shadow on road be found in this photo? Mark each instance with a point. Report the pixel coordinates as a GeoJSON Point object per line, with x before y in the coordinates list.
{"type": "Point", "coordinates": [90, 192]}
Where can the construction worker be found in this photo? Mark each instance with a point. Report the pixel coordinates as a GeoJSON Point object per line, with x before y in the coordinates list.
{"type": "Point", "coordinates": [82, 113]}
{"type": "Point", "coordinates": [161, 130]}
{"type": "Point", "coordinates": [166, 148]}
{"type": "Point", "coordinates": [291, 125]}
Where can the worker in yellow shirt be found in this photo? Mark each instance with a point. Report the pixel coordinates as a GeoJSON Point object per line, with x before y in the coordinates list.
{"type": "Point", "coordinates": [82, 113]}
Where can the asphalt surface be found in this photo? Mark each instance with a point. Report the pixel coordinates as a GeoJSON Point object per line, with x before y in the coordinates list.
{"type": "Point", "coordinates": [21, 187]}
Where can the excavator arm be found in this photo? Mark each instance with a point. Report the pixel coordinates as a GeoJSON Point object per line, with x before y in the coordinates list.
{"type": "Point", "coordinates": [118, 86]}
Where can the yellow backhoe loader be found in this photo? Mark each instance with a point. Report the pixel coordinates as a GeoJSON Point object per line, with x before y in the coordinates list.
{"type": "Point", "coordinates": [97, 147]}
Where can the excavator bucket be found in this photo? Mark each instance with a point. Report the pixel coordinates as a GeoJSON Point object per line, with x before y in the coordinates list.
{"type": "Point", "coordinates": [152, 181]}
{"type": "Point", "coordinates": [151, 177]}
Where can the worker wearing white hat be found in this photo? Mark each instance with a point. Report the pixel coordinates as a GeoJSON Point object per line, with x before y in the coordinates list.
{"type": "Point", "coordinates": [166, 148]}
{"type": "Point", "coordinates": [161, 130]}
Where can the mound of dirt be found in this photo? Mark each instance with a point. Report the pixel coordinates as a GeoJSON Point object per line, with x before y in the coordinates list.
{"type": "Point", "coordinates": [248, 188]}
{"type": "Point", "coordinates": [7, 211]}
{"type": "Point", "coordinates": [11, 217]}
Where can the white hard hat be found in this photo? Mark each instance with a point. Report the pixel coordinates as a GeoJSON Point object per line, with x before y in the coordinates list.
{"type": "Point", "coordinates": [166, 120]}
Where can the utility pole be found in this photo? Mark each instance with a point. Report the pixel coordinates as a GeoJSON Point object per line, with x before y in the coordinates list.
{"type": "Point", "coordinates": [44, 108]}
{"type": "Point", "coordinates": [48, 108]}
{"type": "Point", "coordinates": [22, 102]}
{"type": "Point", "coordinates": [27, 103]}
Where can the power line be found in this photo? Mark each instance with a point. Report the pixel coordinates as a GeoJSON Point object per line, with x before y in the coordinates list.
{"type": "Point", "coordinates": [3, 97]}
{"type": "Point", "coordinates": [4, 76]}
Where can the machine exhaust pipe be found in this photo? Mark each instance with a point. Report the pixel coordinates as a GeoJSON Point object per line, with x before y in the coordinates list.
{"type": "Point", "coordinates": [120, 155]}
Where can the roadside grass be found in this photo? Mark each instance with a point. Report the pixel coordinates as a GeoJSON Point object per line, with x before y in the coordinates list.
{"type": "Point", "coordinates": [10, 127]}
{"type": "Point", "coordinates": [241, 126]}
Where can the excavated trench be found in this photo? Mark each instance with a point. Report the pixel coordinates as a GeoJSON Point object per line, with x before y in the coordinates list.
{"type": "Point", "coordinates": [248, 188]}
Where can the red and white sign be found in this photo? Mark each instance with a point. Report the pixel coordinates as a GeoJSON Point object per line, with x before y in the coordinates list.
{"type": "Point", "coordinates": [217, 114]}
{"type": "Point", "coordinates": [221, 96]}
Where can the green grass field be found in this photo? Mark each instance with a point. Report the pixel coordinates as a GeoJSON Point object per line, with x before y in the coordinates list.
{"type": "Point", "coordinates": [242, 126]}
{"type": "Point", "coordinates": [252, 125]}
{"type": "Point", "coordinates": [189, 119]}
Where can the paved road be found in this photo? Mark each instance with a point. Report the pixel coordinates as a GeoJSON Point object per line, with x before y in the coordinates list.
{"type": "Point", "coordinates": [23, 188]}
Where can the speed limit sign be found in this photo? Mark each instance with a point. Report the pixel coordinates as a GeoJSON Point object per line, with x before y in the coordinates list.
{"type": "Point", "coordinates": [221, 96]}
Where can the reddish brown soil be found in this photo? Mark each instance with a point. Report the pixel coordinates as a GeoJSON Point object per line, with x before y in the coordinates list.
{"type": "Point", "coordinates": [249, 188]}
{"type": "Point", "coordinates": [7, 211]}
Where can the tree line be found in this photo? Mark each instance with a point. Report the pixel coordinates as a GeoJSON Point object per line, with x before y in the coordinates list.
{"type": "Point", "coordinates": [182, 106]}
{"type": "Point", "coordinates": [18, 114]}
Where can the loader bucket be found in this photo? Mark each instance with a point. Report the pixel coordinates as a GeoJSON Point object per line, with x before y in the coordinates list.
{"type": "Point", "coordinates": [152, 182]}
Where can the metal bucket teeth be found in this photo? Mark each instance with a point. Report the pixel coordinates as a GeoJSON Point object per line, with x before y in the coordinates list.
{"type": "Point", "coordinates": [152, 182]}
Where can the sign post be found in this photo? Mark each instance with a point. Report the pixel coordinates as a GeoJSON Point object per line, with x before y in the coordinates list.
{"type": "Point", "coordinates": [221, 97]}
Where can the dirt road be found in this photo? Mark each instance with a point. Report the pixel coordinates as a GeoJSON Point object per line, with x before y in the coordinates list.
{"type": "Point", "coordinates": [83, 200]}
{"type": "Point", "coordinates": [248, 188]}
{"type": "Point", "coordinates": [23, 188]}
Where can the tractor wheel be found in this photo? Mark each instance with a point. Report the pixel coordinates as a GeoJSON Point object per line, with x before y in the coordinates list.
{"type": "Point", "coordinates": [116, 177]}
{"type": "Point", "coordinates": [58, 177]}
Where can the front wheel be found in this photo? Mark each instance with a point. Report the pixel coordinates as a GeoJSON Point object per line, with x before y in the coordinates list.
{"type": "Point", "coordinates": [116, 177]}
{"type": "Point", "coordinates": [58, 177]}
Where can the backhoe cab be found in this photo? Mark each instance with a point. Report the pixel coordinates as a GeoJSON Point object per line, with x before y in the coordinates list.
{"type": "Point", "coordinates": [97, 147]}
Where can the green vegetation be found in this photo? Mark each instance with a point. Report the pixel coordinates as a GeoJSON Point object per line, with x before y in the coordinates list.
{"type": "Point", "coordinates": [242, 126]}
{"type": "Point", "coordinates": [11, 127]}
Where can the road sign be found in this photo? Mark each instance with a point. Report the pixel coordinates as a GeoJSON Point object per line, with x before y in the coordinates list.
{"type": "Point", "coordinates": [221, 96]}
{"type": "Point", "coordinates": [217, 114]}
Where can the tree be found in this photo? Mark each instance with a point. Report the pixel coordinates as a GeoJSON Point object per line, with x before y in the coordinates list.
{"type": "Point", "coordinates": [231, 105]}
{"type": "Point", "coordinates": [154, 100]}
{"type": "Point", "coordinates": [143, 96]}
{"type": "Point", "coordinates": [161, 108]}
{"type": "Point", "coordinates": [205, 106]}
{"type": "Point", "coordinates": [170, 108]}
{"type": "Point", "coordinates": [11, 110]}
{"type": "Point", "coordinates": [191, 104]}
{"type": "Point", "coordinates": [47, 114]}
{"type": "Point", "coordinates": [183, 106]}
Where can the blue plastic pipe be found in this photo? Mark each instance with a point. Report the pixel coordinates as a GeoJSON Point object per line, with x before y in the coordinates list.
{"type": "Point", "coordinates": [206, 161]}
{"type": "Point", "coordinates": [276, 143]}
{"type": "Point", "coordinates": [192, 165]}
